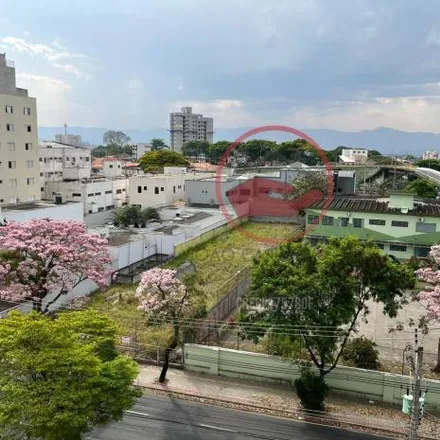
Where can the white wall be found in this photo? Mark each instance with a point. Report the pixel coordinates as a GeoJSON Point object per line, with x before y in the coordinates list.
{"type": "Point", "coordinates": [112, 168]}
{"type": "Point", "coordinates": [68, 211]}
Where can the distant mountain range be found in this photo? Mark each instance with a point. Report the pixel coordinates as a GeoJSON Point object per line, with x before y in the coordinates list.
{"type": "Point", "coordinates": [386, 140]}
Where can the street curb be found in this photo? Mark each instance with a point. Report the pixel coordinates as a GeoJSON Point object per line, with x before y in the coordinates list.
{"type": "Point", "coordinates": [297, 415]}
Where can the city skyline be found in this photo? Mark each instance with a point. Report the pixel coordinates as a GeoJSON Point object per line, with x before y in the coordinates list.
{"type": "Point", "coordinates": [345, 66]}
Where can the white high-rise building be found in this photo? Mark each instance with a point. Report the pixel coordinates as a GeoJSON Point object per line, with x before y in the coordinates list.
{"type": "Point", "coordinates": [187, 126]}
{"type": "Point", "coordinates": [19, 165]}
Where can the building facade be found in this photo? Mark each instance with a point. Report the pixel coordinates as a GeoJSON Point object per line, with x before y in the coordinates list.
{"type": "Point", "coordinates": [19, 166]}
{"type": "Point", "coordinates": [60, 162]}
{"type": "Point", "coordinates": [400, 225]}
{"type": "Point", "coordinates": [73, 140]}
{"type": "Point", "coordinates": [187, 126]}
{"type": "Point", "coordinates": [354, 155]}
{"type": "Point", "coordinates": [95, 194]}
{"type": "Point", "coordinates": [138, 150]}
{"type": "Point", "coordinates": [430, 154]}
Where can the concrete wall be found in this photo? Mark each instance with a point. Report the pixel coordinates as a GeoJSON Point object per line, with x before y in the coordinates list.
{"type": "Point", "coordinates": [204, 192]}
{"type": "Point", "coordinates": [375, 385]}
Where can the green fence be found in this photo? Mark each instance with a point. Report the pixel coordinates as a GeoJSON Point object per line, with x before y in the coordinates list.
{"type": "Point", "coordinates": [375, 385]}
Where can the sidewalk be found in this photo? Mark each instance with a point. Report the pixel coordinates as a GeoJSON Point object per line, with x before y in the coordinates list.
{"type": "Point", "coordinates": [282, 400]}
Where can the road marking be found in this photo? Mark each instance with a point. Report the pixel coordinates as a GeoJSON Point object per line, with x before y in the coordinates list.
{"type": "Point", "coordinates": [137, 413]}
{"type": "Point", "coordinates": [218, 428]}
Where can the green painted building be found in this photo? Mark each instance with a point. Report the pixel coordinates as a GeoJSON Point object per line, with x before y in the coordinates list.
{"type": "Point", "coordinates": [400, 225]}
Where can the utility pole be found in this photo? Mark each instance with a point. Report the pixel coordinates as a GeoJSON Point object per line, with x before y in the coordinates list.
{"type": "Point", "coordinates": [416, 413]}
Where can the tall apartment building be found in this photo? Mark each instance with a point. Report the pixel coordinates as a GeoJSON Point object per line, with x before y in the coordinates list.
{"type": "Point", "coordinates": [187, 126]}
{"type": "Point", "coordinates": [19, 166]}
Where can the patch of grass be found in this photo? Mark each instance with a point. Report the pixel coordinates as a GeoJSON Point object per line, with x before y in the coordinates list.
{"type": "Point", "coordinates": [219, 261]}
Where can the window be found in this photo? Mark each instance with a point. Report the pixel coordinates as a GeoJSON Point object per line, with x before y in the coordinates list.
{"type": "Point", "coordinates": [87, 159]}
{"type": "Point", "coordinates": [425, 227]}
{"type": "Point", "coordinates": [123, 189]}
{"type": "Point", "coordinates": [162, 188]}
{"type": "Point", "coordinates": [76, 194]}
{"type": "Point", "coordinates": [397, 248]}
{"type": "Point", "coordinates": [27, 111]}
{"type": "Point", "coordinates": [12, 182]}
{"type": "Point", "coordinates": [110, 166]}
{"type": "Point", "coordinates": [313, 219]}
{"type": "Point", "coordinates": [327, 221]}
{"type": "Point", "coordinates": [97, 194]}
{"type": "Point", "coordinates": [42, 188]}
{"type": "Point", "coordinates": [179, 186]}
{"type": "Point", "coordinates": [156, 190]}
{"type": "Point", "coordinates": [11, 146]}
{"type": "Point", "coordinates": [174, 189]}
{"type": "Point", "coordinates": [139, 189]}
{"type": "Point", "coordinates": [119, 166]}
{"type": "Point", "coordinates": [145, 188]}
{"type": "Point", "coordinates": [90, 195]}
{"type": "Point", "coordinates": [28, 147]}
{"type": "Point", "coordinates": [10, 127]}
{"type": "Point", "coordinates": [343, 221]}
{"type": "Point", "coordinates": [29, 164]}
{"type": "Point", "coordinates": [30, 181]}
{"type": "Point", "coordinates": [358, 222]}
{"type": "Point", "coordinates": [399, 223]}
{"type": "Point", "coordinates": [377, 222]}
{"type": "Point", "coordinates": [380, 245]}
{"type": "Point", "coordinates": [28, 128]}
{"type": "Point", "coordinates": [41, 159]}
{"type": "Point", "coordinates": [118, 191]}
{"type": "Point", "coordinates": [67, 159]}
{"type": "Point", "coordinates": [108, 192]}
{"type": "Point", "coordinates": [245, 192]}
{"type": "Point", "coordinates": [9, 109]}
{"type": "Point", "coordinates": [12, 164]}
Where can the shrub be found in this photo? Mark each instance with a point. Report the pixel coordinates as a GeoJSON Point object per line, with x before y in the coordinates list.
{"type": "Point", "coordinates": [362, 353]}
{"type": "Point", "coordinates": [311, 390]}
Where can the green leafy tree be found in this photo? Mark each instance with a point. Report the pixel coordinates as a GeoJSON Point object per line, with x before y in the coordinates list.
{"type": "Point", "coordinates": [115, 138]}
{"type": "Point", "coordinates": [155, 161]}
{"type": "Point", "coordinates": [217, 150]}
{"type": "Point", "coordinates": [429, 163]}
{"type": "Point", "coordinates": [256, 149]}
{"type": "Point", "coordinates": [362, 353]}
{"type": "Point", "coordinates": [60, 378]}
{"type": "Point", "coordinates": [326, 288]}
{"type": "Point", "coordinates": [196, 149]}
{"type": "Point", "coordinates": [158, 144]}
{"type": "Point", "coordinates": [423, 188]}
{"type": "Point", "coordinates": [133, 215]}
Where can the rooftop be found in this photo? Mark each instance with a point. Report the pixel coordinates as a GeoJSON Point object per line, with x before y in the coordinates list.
{"type": "Point", "coordinates": [30, 206]}
{"type": "Point", "coordinates": [51, 144]}
{"type": "Point", "coordinates": [356, 204]}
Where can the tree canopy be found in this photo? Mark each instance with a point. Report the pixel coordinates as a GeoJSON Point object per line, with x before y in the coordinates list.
{"type": "Point", "coordinates": [60, 378]}
{"type": "Point", "coordinates": [429, 163]}
{"type": "Point", "coordinates": [47, 256]}
{"type": "Point", "coordinates": [423, 188]}
{"type": "Point", "coordinates": [133, 215]}
{"type": "Point", "coordinates": [115, 138]}
{"type": "Point", "coordinates": [111, 150]}
{"type": "Point", "coordinates": [155, 161]}
{"type": "Point", "coordinates": [319, 294]}
{"type": "Point", "coordinates": [158, 144]}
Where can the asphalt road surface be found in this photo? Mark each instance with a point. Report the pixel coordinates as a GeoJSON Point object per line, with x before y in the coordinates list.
{"type": "Point", "coordinates": [164, 418]}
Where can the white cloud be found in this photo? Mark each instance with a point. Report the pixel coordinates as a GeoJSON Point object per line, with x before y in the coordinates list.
{"type": "Point", "coordinates": [70, 68]}
{"type": "Point", "coordinates": [180, 85]}
{"type": "Point", "coordinates": [414, 113]}
{"type": "Point", "coordinates": [135, 84]}
{"type": "Point", "coordinates": [227, 113]}
{"type": "Point", "coordinates": [52, 97]}
{"type": "Point", "coordinates": [52, 53]}
{"type": "Point", "coordinates": [433, 37]}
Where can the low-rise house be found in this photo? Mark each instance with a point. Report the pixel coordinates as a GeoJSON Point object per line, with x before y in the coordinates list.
{"type": "Point", "coordinates": [354, 155]}
{"type": "Point", "coordinates": [400, 225]}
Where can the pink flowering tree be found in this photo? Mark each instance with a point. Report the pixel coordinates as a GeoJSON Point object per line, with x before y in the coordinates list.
{"type": "Point", "coordinates": [430, 296]}
{"type": "Point", "coordinates": [42, 257]}
{"type": "Point", "coordinates": [163, 298]}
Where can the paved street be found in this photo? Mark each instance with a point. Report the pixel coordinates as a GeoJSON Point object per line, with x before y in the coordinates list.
{"type": "Point", "coordinates": [164, 418]}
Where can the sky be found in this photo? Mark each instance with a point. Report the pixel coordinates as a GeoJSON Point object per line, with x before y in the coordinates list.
{"type": "Point", "coordinates": [339, 64]}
